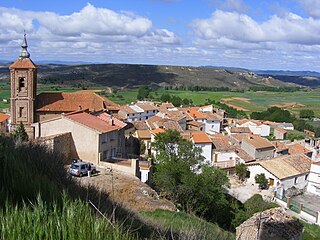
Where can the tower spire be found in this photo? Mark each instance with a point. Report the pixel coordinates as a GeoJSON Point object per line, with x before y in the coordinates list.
{"type": "Point", "coordinates": [24, 51]}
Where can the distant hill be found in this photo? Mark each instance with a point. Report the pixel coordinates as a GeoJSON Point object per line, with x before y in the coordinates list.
{"type": "Point", "coordinates": [129, 75]}
{"type": "Point", "coordinates": [287, 73]}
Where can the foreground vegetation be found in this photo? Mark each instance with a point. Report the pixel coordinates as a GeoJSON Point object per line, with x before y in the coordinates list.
{"type": "Point", "coordinates": [187, 224]}
{"type": "Point", "coordinates": [310, 231]}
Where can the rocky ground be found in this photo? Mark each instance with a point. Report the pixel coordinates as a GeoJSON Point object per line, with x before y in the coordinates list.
{"type": "Point", "coordinates": [127, 190]}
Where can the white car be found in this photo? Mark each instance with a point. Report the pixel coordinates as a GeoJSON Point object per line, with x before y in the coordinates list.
{"type": "Point", "coordinates": [81, 169]}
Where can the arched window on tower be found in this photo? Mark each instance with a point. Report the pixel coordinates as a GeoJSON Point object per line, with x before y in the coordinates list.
{"type": "Point", "coordinates": [22, 83]}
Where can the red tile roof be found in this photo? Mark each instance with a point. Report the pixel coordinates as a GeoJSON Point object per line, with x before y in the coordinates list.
{"type": "Point", "coordinates": [69, 102]}
{"type": "Point", "coordinates": [280, 130]}
{"type": "Point", "coordinates": [221, 142]}
{"type": "Point", "coordinates": [91, 121]}
{"type": "Point", "coordinates": [3, 117]}
{"type": "Point", "coordinates": [258, 142]}
{"type": "Point", "coordinates": [200, 137]}
{"type": "Point", "coordinates": [240, 130]}
{"type": "Point", "coordinates": [298, 149]}
{"type": "Point", "coordinates": [23, 63]}
{"type": "Point", "coordinates": [107, 118]}
{"type": "Point", "coordinates": [157, 131]}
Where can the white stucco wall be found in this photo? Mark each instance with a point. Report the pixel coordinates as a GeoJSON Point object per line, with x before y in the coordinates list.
{"type": "Point", "coordinates": [314, 180]}
{"type": "Point", "coordinates": [212, 126]}
{"type": "Point", "coordinates": [86, 141]}
{"type": "Point", "coordinates": [206, 151]}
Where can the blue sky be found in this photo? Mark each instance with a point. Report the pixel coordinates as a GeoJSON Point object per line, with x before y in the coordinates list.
{"type": "Point", "coordinates": [254, 34]}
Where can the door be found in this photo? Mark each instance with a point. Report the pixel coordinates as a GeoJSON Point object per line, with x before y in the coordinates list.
{"type": "Point", "coordinates": [271, 181]}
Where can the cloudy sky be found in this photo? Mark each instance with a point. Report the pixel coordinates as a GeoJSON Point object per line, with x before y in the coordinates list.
{"type": "Point", "coordinates": [254, 34]}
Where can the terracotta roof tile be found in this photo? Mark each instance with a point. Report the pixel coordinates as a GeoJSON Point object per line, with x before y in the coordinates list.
{"type": "Point", "coordinates": [107, 118]}
{"type": "Point", "coordinates": [221, 142]}
{"type": "Point", "coordinates": [91, 121]}
{"type": "Point", "coordinates": [143, 134]}
{"type": "Point", "coordinates": [195, 123]}
{"type": "Point", "coordinates": [287, 166]}
{"type": "Point", "coordinates": [280, 130]}
{"type": "Point", "coordinates": [240, 130]}
{"type": "Point", "coordinates": [157, 131]}
{"type": "Point", "coordinates": [23, 63]}
{"type": "Point", "coordinates": [244, 156]}
{"type": "Point", "coordinates": [3, 117]}
{"type": "Point", "coordinates": [140, 125]}
{"type": "Point", "coordinates": [298, 149]}
{"type": "Point", "coordinates": [200, 137]}
{"type": "Point", "coordinates": [258, 142]}
{"type": "Point", "coordinates": [69, 102]}
{"type": "Point", "coordinates": [147, 106]}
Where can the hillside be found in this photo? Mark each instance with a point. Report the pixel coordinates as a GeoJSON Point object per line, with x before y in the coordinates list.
{"type": "Point", "coordinates": [123, 75]}
{"type": "Point", "coordinates": [38, 199]}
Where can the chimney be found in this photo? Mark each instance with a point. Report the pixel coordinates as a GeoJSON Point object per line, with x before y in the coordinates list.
{"type": "Point", "coordinates": [79, 107]}
{"type": "Point", "coordinates": [111, 121]}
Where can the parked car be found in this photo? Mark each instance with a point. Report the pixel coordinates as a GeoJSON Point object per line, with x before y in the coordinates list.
{"type": "Point", "coordinates": [81, 169]}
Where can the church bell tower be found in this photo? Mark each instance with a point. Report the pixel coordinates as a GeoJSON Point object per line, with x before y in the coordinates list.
{"type": "Point", "coordinates": [23, 79]}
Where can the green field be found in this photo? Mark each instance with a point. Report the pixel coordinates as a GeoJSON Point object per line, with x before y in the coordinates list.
{"type": "Point", "coordinates": [248, 101]}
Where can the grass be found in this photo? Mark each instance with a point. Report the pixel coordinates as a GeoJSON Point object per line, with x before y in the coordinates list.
{"type": "Point", "coordinates": [73, 221]}
{"type": "Point", "coordinates": [40, 200]}
{"type": "Point", "coordinates": [310, 231]}
{"type": "Point", "coordinates": [258, 101]}
{"type": "Point", "coordinates": [186, 224]}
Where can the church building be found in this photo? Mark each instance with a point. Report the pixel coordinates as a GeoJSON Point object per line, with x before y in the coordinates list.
{"type": "Point", "coordinates": [28, 107]}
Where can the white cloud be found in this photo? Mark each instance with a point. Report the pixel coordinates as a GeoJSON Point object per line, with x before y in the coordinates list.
{"type": "Point", "coordinates": [231, 5]}
{"type": "Point", "coordinates": [312, 7]}
{"type": "Point", "coordinates": [94, 33]}
{"type": "Point", "coordinates": [290, 28]}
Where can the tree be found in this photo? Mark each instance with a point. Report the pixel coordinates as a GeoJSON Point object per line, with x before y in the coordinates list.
{"type": "Point", "coordinates": [306, 113]}
{"type": "Point", "coordinates": [241, 171]}
{"type": "Point", "coordinates": [20, 134]}
{"type": "Point", "coordinates": [182, 176]}
{"type": "Point", "coordinates": [165, 97]}
{"type": "Point", "coordinates": [261, 180]}
{"type": "Point", "coordinates": [143, 92]}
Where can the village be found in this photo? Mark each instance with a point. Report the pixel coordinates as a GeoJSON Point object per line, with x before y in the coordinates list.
{"type": "Point", "coordinates": [85, 125]}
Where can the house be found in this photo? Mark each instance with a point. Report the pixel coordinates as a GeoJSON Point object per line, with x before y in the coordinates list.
{"type": "Point", "coordinates": [145, 138]}
{"type": "Point", "coordinates": [314, 179]}
{"type": "Point", "coordinates": [4, 122]}
{"type": "Point", "coordinates": [281, 148]}
{"type": "Point", "coordinates": [280, 133]}
{"type": "Point", "coordinates": [270, 224]}
{"type": "Point", "coordinates": [164, 123]}
{"type": "Point", "coordinates": [92, 138]}
{"type": "Point", "coordinates": [282, 172]}
{"type": "Point", "coordinates": [224, 154]}
{"type": "Point", "coordinates": [174, 115]}
{"type": "Point", "coordinates": [310, 133]}
{"type": "Point", "coordinates": [203, 141]}
{"type": "Point", "coordinates": [196, 126]}
{"type": "Point", "coordinates": [138, 111]}
{"type": "Point", "coordinates": [237, 130]}
{"type": "Point", "coordinates": [286, 126]}
{"type": "Point", "coordinates": [212, 120]}
{"type": "Point", "coordinates": [299, 149]}
{"type": "Point", "coordinates": [236, 139]}
{"type": "Point", "coordinates": [258, 147]}
{"type": "Point", "coordinates": [255, 126]}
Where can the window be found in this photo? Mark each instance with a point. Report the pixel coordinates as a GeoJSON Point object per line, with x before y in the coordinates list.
{"type": "Point", "coordinates": [21, 112]}
{"type": "Point", "coordinates": [147, 117]}
{"type": "Point", "coordinates": [21, 83]}
{"type": "Point", "coordinates": [104, 138]}
{"type": "Point", "coordinates": [295, 180]}
{"type": "Point", "coordinates": [306, 177]}
{"type": "Point", "coordinates": [105, 155]}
